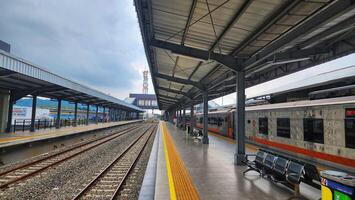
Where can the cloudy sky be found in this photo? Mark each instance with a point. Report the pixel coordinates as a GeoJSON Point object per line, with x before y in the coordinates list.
{"type": "Point", "coordinates": [97, 43]}
{"type": "Point", "coordinates": [94, 42]}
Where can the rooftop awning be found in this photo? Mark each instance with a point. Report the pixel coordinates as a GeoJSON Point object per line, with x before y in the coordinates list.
{"type": "Point", "coordinates": [199, 45]}
{"type": "Point", "coordinates": [24, 78]}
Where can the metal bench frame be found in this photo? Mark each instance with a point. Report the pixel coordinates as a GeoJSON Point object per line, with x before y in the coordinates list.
{"type": "Point", "coordinates": [280, 169]}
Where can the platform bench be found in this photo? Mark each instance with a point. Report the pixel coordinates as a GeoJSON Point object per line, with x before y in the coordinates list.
{"type": "Point", "coordinates": [281, 169]}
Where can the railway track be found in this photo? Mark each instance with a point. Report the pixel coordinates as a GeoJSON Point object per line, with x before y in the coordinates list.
{"type": "Point", "coordinates": [109, 181]}
{"type": "Point", "coordinates": [22, 172]}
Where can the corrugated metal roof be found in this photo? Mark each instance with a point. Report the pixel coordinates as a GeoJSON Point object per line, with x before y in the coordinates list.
{"type": "Point", "coordinates": [256, 32]}
{"type": "Point", "coordinates": [19, 74]}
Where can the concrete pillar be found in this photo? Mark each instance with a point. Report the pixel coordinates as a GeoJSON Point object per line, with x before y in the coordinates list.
{"type": "Point", "coordinates": [97, 114]}
{"type": "Point", "coordinates": [240, 119]}
{"type": "Point", "coordinates": [33, 114]}
{"type": "Point", "coordinates": [184, 118]}
{"type": "Point", "coordinates": [87, 114]}
{"type": "Point", "coordinates": [9, 116]}
{"type": "Point", "coordinates": [111, 115]}
{"type": "Point", "coordinates": [180, 117]}
{"type": "Point", "coordinates": [192, 121]}
{"type": "Point", "coordinates": [75, 113]}
{"type": "Point", "coordinates": [103, 115]}
{"type": "Point", "coordinates": [177, 117]}
{"type": "Point", "coordinates": [205, 139]}
{"type": "Point", "coordinates": [4, 108]}
{"type": "Point", "coordinates": [59, 110]}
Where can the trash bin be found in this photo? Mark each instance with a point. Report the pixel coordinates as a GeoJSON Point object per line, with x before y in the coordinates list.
{"type": "Point", "coordinates": [337, 185]}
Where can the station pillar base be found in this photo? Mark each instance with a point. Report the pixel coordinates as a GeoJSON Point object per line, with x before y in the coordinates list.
{"type": "Point", "coordinates": [4, 108]}
{"type": "Point", "coordinates": [239, 158]}
{"type": "Point", "coordinates": [205, 140]}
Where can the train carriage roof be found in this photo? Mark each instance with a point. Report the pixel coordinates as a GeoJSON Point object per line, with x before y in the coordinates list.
{"type": "Point", "coordinates": [305, 103]}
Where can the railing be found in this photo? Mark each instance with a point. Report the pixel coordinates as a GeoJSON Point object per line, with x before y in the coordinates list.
{"type": "Point", "coordinates": [25, 124]}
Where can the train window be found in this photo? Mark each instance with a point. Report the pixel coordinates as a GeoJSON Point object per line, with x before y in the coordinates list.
{"type": "Point", "coordinates": [220, 121]}
{"type": "Point", "coordinates": [313, 130]}
{"type": "Point", "coordinates": [350, 133]}
{"type": "Point", "coordinates": [283, 127]}
{"type": "Point", "coordinates": [263, 126]}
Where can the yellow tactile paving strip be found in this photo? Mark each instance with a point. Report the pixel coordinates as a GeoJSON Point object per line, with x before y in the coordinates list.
{"type": "Point", "coordinates": [180, 182]}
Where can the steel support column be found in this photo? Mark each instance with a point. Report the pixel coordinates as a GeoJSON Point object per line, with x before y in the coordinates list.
{"type": "Point", "coordinates": [114, 114]}
{"type": "Point", "coordinates": [180, 117]}
{"type": "Point", "coordinates": [103, 115]}
{"type": "Point", "coordinates": [97, 114]}
{"type": "Point", "coordinates": [9, 114]}
{"type": "Point", "coordinates": [75, 113]}
{"type": "Point", "coordinates": [205, 139]}
{"type": "Point", "coordinates": [179, 112]}
{"type": "Point", "coordinates": [184, 118]}
{"type": "Point", "coordinates": [240, 118]}
{"type": "Point", "coordinates": [33, 114]}
{"type": "Point", "coordinates": [59, 110]}
{"type": "Point", "coordinates": [87, 114]}
{"type": "Point", "coordinates": [191, 118]}
{"type": "Point", "coordinates": [110, 114]}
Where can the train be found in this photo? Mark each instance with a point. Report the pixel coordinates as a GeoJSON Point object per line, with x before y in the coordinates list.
{"type": "Point", "coordinates": [320, 131]}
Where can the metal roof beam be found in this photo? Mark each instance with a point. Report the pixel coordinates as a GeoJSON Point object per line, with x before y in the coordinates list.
{"type": "Point", "coordinates": [164, 101]}
{"type": "Point", "coordinates": [227, 60]}
{"type": "Point", "coordinates": [235, 18]}
{"type": "Point", "coordinates": [284, 10]}
{"type": "Point", "coordinates": [6, 73]}
{"type": "Point", "coordinates": [51, 89]}
{"type": "Point", "coordinates": [168, 97]}
{"type": "Point", "coordinates": [188, 21]}
{"type": "Point", "coordinates": [174, 91]}
{"type": "Point", "coordinates": [337, 29]}
{"type": "Point", "coordinates": [180, 80]}
{"type": "Point", "coordinates": [327, 13]}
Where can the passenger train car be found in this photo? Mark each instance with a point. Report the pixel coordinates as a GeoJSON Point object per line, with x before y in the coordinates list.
{"type": "Point", "coordinates": [319, 130]}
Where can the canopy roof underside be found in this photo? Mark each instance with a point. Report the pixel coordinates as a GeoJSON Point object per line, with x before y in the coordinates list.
{"type": "Point", "coordinates": [269, 38]}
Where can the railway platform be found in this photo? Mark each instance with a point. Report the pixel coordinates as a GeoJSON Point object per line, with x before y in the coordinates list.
{"type": "Point", "coordinates": [181, 167]}
{"type": "Point", "coordinates": [8, 140]}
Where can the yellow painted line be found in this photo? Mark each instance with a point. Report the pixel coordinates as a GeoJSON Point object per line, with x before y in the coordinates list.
{"type": "Point", "coordinates": [168, 168]}
{"type": "Point", "coordinates": [180, 182]}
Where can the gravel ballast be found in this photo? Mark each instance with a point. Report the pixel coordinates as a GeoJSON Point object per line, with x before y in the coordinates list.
{"type": "Point", "coordinates": [64, 180]}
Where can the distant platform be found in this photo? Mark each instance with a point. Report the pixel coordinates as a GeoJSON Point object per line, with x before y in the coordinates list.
{"type": "Point", "coordinates": [20, 138]}
{"type": "Point", "coordinates": [182, 167]}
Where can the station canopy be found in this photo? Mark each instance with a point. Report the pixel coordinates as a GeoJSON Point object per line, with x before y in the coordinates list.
{"type": "Point", "coordinates": [200, 45]}
{"type": "Point", "coordinates": [24, 78]}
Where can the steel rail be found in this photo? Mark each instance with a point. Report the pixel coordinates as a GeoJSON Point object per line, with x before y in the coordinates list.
{"type": "Point", "coordinates": [109, 166]}
{"type": "Point", "coordinates": [104, 140]}
{"type": "Point", "coordinates": [56, 154]}
{"type": "Point", "coordinates": [132, 166]}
